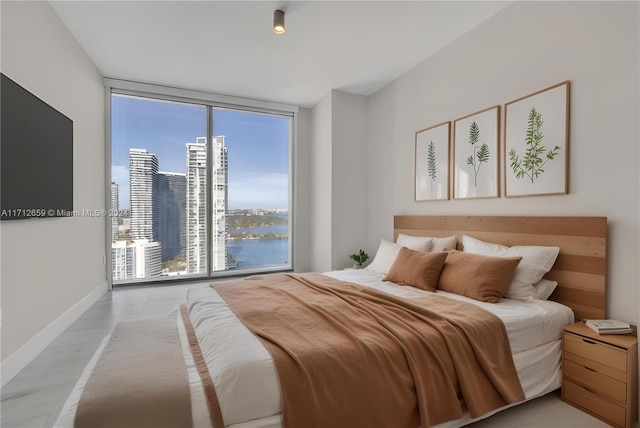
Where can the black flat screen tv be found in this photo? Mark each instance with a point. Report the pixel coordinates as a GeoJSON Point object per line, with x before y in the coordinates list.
{"type": "Point", "coordinates": [36, 156]}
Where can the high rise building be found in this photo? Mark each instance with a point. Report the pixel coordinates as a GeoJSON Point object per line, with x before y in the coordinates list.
{"type": "Point", "coordinates": [122, 260]}
{"type": "Point", "coordinates": [196, 181]}
{"type": "Point", "coordinates": [172, 201]}
{"type": "Point", "coordinates": [143, 198]}
{"type": "Point", "coordinates": [143, 194]}
{"type": "Point", "coordinates": [196, 175]}
{"type": "Point", "coordinates": [139, 258]}
{"type": "Point", "coordinates": [115, 209]}
{"type": "Point", "coordinates": [219, 197]}
{"type": "Point", "coordinates": [148, 259]}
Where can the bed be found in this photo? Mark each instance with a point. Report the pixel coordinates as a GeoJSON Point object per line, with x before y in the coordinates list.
{"type": "Point", "coordinates": [246, 387]}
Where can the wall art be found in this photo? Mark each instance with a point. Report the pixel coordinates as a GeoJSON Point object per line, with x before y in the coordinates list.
{"type": "Point", "coordinates": [432, 163]}
{"type": "Point", "coordinates": [537, 143]}
{"type": "Point", "coordinates": [476, 157]}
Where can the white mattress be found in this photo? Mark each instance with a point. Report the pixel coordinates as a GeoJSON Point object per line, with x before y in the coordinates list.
{"type": "Point", "coordinates": [245, 377]}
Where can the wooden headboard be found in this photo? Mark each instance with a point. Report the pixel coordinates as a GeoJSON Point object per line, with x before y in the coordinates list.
{"type": "Point", "coordinates": [581, 266]}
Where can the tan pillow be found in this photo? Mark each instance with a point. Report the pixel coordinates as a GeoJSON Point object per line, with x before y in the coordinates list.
{"type": "Point", "coordinates": [483, 278]}
{"type": "Point", "coordinates": [417, 269]}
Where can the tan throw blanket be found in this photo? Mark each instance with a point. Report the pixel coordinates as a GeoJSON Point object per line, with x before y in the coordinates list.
{"type": "Point", "coordinates": [140, 380]}
{"type": "Point", "coordinates": [350, 356]}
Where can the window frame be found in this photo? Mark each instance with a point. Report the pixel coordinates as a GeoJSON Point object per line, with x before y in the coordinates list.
{"type": "Point", "coordinates": [211, 101]}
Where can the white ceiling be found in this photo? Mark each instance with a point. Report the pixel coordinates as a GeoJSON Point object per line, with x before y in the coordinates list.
{"type": "Point", "coordinates": [228, 47]}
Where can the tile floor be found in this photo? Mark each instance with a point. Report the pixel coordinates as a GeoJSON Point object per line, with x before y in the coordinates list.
{"type": "Point", "coordinates": [34, 398]}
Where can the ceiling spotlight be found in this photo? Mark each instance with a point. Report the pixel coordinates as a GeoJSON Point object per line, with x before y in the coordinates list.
{"type": "Point", "coordinates": [278, 22]}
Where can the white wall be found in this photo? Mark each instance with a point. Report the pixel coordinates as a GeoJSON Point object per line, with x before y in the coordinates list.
{"type": "Point", "coordinates": [349, 178]}
{"type": "Point", "coordinates": [52, 269]}
{"type": "Point", "coordinates": [302, 193]}
{"type": "Point", "coordinates": [526, 47]}
{"type": "Point", "coordinates": [321, 185]}
{"type": "Point", "coordinates": [339, 177]}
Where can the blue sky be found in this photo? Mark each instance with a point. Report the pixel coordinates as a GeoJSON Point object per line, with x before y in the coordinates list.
{"type": "Point", "coordinates": [257, 146]}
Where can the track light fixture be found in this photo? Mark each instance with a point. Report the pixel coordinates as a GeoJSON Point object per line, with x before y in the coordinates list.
{"type": "Point", "coordinates": [278, 22]}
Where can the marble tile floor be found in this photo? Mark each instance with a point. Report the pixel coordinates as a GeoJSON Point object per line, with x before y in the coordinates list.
{"type": "Point", "coordinates": [34, 398]}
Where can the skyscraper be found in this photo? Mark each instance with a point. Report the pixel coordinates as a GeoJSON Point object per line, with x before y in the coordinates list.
{"type": "Point", "coordinates": [196, 181]}
{"type": "Point", "coordinates": [196, 175]}
{"type": "Point", "coordinates": [115, 208]}
{"type": "Point", "coordinates": [172, 201]}
{"type": "Point", "coordinates": [122, 260]}
{"type": "Point", "coordinates": [148, 259]}
{"type": "Point", "coordinates": [143, 191]}
{"type": "Point", "coordinates": [220, 193]}
{"type": "Point", "coordinates": [143, 198]}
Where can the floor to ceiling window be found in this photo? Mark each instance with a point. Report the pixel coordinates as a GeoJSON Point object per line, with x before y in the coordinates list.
{"type": "Point", "coordinates": [257, 149]}
{"type": "Point", "coordinates": [184, 205]}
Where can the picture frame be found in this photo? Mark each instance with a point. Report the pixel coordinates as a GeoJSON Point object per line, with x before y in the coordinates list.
{"type": "Point", "coordinates": [476, 159]}
{"type": "Point", "coordinates": [536, 152]}
{"type": "Point", "coordinates": [432, 159]}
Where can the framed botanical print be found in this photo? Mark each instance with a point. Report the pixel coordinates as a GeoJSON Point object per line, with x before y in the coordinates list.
{"type": "Point", "coordinates": [432, 163]}
{"type": "Point", "coordinates": [476, 157]}
{"type": "Point", "coordinates": [537, 143]}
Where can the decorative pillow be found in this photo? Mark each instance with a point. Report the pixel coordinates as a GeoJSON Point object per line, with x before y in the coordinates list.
{"type": "Point", "coordinates": [439, 244]}
{"type": "Point", "coordinates": [536, 261]}
{"type": "Point", "coordinates": [417, 269]}
{"type": "Point", "coordinates": [385, 256]}
{"type": "Point", "coordinates": [480, 277]}
{"type": "Point", "coordinates": [417, 243]}
{"type": "Point", "coordinates": [544, 288]}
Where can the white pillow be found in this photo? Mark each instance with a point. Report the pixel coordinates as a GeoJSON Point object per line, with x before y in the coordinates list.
{"type": "Point", "coordinates": [425, 243]}
{"type": "Point", "coordinates": [440, 244]}
{"type": "Point", "coordinates": [536, 261]}
{"type": "Point", "coordinates": [544, 288]}
{"type": "Point", "coordinates": [385, 256]}
{"type": "Point", "coordinates": [417, 243]}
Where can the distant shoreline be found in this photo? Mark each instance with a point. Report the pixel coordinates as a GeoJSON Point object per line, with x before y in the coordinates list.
{"type": "Point", "coordinates": [244, 238]}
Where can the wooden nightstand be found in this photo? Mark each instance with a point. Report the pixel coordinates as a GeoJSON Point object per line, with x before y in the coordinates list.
{"type": "Point", "coordinates": [600, 374]}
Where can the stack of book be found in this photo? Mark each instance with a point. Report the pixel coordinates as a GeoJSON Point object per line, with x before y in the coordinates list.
{"type": "Point", "coordinates": [608, 326]}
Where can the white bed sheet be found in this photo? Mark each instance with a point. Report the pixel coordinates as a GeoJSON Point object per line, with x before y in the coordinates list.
{"type": "Point", "coordinates": [246, 380]}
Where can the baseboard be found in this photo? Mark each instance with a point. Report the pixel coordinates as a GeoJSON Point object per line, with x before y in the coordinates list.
{"type": "Point", "coordinates": [15, 362]}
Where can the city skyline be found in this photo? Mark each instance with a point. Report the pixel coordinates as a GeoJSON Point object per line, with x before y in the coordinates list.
{"type": "Point", "coordinates": [257, 144]}
{"type": "Point", "coordinates": [169, 216]}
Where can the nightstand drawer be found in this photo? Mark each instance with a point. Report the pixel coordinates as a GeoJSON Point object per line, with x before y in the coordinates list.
{"type": "Point", "coordinates": [593, 403]}
{"type": "Point", "coordinates": [593, 350]}
{"type": "Point", "coordinates": [596, 366]}
{"type": "Point", "coordinates": [595, 381]}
